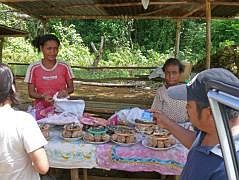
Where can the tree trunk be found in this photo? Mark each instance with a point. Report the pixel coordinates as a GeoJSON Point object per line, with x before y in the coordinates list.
{"type": "Point", "coordinates": [99, 52]}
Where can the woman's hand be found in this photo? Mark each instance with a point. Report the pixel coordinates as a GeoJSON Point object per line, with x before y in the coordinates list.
{"type": "Point", "coordinates": [62, 93]}
{"type": "Point", "coordinates": [47, 98]}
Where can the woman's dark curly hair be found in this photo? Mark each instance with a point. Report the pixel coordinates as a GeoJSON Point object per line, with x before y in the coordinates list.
{"type": "Point", "coordinates": [41, 40]}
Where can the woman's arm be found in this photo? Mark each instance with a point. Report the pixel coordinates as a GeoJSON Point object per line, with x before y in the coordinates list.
{"type": "Point", "coordinates": [70, 86]}
{"type": "Point", "coordinates": [35, 95]}
{"type": "Point", "coordinates": [32, 92]}
{"type": "Point", "coordinates": [39, 160]}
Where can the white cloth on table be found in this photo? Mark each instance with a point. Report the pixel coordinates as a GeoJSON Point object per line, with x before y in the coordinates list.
{"type": "Point", "coordinates": [65, 105]}
{"type": "Point", "coordinates": [60, 119]}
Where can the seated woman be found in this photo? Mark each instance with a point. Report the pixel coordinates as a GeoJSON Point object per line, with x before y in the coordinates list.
{"type": "Point", "coordinates": [48, 76]}
{"type": "Point", "coordinates": [174, 109]}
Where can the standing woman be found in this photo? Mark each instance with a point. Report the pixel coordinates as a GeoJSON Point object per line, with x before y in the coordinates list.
{"type": "Point", "coordinates": [22, 155]}
{"type": "Point", "coordinates": [48, 76]}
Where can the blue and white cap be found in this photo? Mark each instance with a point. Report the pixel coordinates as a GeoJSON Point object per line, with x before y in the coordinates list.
{"type": "Point", "coordinates": [197, 88]}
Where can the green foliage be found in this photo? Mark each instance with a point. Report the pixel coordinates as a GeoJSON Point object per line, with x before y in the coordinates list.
{"type": "Point", "coordinates": [192, 43]}
{"type": "Point", "coordinates": [127, 42]}
{"type": "Point", "coordinates": [18, 50]}
{"type": "Point", "coordinates": [158, 35]}
{"type": "Point", "coordinates": [225, 33]}
{"type": "Point", "coordinates": [227, 57]}
{"type": "Point", "coordinates": [73, 50]}
{"type": "Point", "coordinates": [98, 74]}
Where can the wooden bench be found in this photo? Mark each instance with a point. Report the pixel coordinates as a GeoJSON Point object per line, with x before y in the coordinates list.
{"type": "Point", "coordinates": [110, 107]}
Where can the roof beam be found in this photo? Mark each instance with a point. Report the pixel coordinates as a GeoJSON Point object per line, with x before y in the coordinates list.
{"type": "Point", "coordinates": [110, 5]}
{"type": "Point", "coordinates": [132, 17]}
{"type": "Point", "coordinates": [134, 4]}
{"type": "Point", "coordinates": [18, 1]}
{"type": "Point", "coordinates": [193, 11]}
{"type": "Point", "coordinates": [214, 2]}
{"type": "Point", "coordinates": [152, 12]}
{"type": "Point", "coordinates": [225, 3]}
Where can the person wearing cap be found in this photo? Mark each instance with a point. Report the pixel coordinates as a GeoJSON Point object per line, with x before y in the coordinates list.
{"type": "Point", "coordinates": [175, 109]}
{"type": "Point", "coordinates": [48, 76]}
{"type": "Point", "coordinates": [204, 159]}
{"type": "Point", "coordinates": [22, 155]}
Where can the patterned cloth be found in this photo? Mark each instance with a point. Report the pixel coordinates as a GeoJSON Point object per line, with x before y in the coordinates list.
{"type": "Point", "coordinates": [174, 109]}
{"type": "Point", "coordinates": [138, 158]}
{"type": "Point", "coordinates": [78, 154]}
{"type": "Point", "coordinates": [65, 154]}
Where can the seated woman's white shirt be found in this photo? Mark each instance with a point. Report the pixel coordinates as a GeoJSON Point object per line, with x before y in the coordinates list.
{"type": "Point", "coordinates": [174, 109]}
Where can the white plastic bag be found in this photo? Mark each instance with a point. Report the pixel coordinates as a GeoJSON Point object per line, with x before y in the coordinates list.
{"type": "Point", "coordinates": [130, 115]}
{"type": "Point", "coordinates": [73, 106]}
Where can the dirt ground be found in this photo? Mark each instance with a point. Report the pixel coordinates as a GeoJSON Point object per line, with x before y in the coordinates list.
{"type": "Point", "coordinates": [101, 174]}
{"type": "Point", "coordinates": [133, 95]}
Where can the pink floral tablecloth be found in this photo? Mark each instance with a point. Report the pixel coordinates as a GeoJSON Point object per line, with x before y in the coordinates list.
{"type": "Point", "coordinates": [139, 158]}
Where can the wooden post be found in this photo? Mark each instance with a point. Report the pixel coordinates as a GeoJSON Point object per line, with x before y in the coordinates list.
{"type": "Point", "coordinates": [1, 48]}
{"type": "Point", "coordinates": [85, 174]}
{"type": "Point", "coordinates": [75, 174]}
{"type": "Point", "coordinates": [177, 42]}
{"type": "Point", "coordinates": [208, 33]}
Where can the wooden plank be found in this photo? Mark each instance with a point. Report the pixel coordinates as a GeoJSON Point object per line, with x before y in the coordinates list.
{"type": "Point", "coordinates": [176, 177]}
{"type": "Point", "coordinates": [101, 67]}
{"type": "Point", "coordinates": [104, 84]}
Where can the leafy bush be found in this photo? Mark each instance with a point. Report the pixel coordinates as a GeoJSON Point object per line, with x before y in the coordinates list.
{"type": "Point", "coordinates": [18, 50]}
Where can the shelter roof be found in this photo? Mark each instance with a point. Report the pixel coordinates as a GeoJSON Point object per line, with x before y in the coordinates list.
{"type": "Point", "coordinates": [120, 9]}
{"type": "Point", "coordinates": [11, 32]}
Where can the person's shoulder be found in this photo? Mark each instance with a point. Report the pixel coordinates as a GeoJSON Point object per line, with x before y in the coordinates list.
{"type": "Point", "coordinates": [24, 116]}
{"type": "Point", "coordinates": [34, 65]}
{"type": "Point", "coordinates": [161, 89]}
{"type": "Point", "coordinates": [62, 63]}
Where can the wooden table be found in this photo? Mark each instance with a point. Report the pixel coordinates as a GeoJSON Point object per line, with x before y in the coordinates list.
{"type": "Point", "coordinates": [80, 155]}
